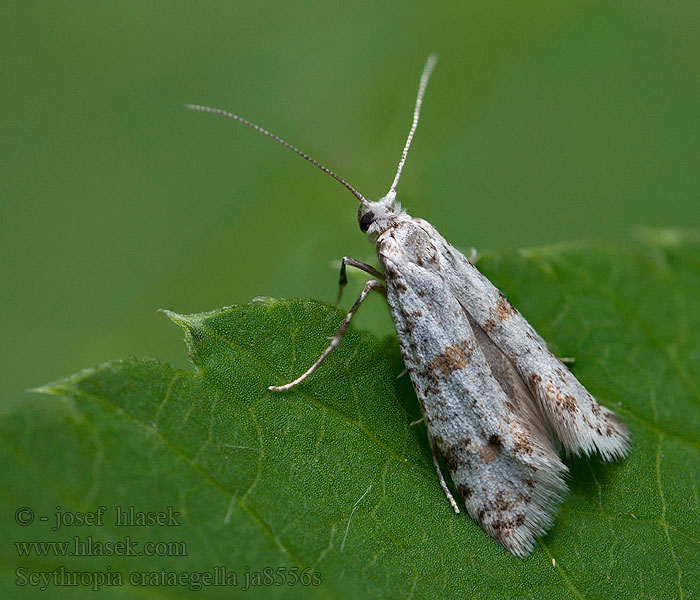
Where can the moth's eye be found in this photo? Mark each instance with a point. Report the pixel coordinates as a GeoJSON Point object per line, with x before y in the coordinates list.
{"type": "Point", "coordinates": [366, 221]}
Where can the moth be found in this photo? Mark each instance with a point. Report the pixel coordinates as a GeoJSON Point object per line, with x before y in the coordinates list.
{"type": "Point", "coordinates": [497, 404]}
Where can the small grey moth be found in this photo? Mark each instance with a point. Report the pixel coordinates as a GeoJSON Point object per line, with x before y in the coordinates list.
{"type": "Point", "coordinates": [496, 402]}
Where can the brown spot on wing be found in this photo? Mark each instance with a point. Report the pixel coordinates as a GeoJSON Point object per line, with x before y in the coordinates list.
{"type": "Point", "coordinates": [487, 454]}
{"type": "Point", "coordinates": [612, 425]}
{"type": "Point", "coordinates": [567, 402]}
{"type": "Point", "coordinates": [496, 442]}
{"type": "Point", "coordinates": [457, 454]}
{"type": "Point", "coordinates": [560, 371]}
{"type": "Point", "coordinates": [521, 443]}
{"type": "Point", "coordinates": [465, 491]}
{"type": "Point", "coordinates": [501, 502]}
{"type": "Point", "coordinates": [452, 358]}
{"type": "Point", "coordinates": [502, 526]}
{"type": "Point", "coordinates": [504, 309]}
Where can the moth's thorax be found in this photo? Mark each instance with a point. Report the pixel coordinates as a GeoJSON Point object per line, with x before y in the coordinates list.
{"type": "Point", "coordinates": [411, 241]}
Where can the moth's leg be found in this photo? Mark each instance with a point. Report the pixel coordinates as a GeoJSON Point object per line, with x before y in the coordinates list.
{"type": "Point", "coordinates": [473, 255]}
{"type": "Point", "coordinates": [567, 360]}
{"type": "Point", "coordinates": [343, 279]}
{"type": "Point", "coordinates": [443, 484]}
{"type": "Point", "coordinates": [335, 340]}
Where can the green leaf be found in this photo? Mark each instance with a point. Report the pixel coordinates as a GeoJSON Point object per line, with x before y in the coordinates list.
{"type": "Point", "coordinates": [333, 477]}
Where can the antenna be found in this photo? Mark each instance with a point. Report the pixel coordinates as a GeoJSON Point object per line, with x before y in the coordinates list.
{"type": "Point", "coordinates": [427, 70]}
{"type": "Point", "coordinates": [229, 115]}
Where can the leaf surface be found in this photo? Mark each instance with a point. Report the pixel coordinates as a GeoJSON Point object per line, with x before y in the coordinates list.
{"type": "Point", "coordinates": [333, 477]}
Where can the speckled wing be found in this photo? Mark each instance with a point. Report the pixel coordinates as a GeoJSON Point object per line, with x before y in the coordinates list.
{"type": "Point", "coordinates": [476, 407]}
{"type": "Point", "coordinates": [578, 420]}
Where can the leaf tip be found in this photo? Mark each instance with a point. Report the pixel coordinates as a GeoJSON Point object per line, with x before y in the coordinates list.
{"type": "Point", "coordinates": [171, 314]}
{"type": "Point", "coordinates": [55, 389]}
{"type": "Point", "coordinates": [183, 321]}
{"type": "Point", "coordinates": [190, 324]}
{"type": "Point", "coordinates": [42, 389]}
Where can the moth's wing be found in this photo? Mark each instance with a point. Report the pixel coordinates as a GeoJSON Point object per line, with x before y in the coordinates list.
{"type": "Point", "coordinates": [579, 421]}
{"type": "Point", "coordinates": [503, 463]}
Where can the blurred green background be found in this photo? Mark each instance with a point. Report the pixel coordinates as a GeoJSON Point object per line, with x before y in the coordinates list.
{"type": "Point", "coordinates": [545, 122]}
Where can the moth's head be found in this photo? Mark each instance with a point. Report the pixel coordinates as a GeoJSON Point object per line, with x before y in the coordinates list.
{"type": "Point", "coordinates": [375, 218]}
